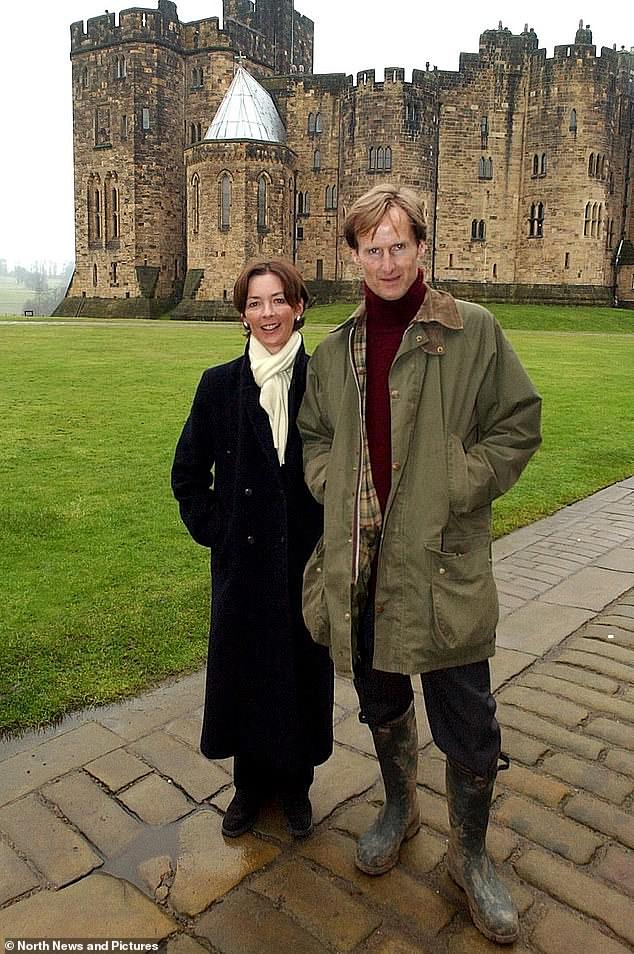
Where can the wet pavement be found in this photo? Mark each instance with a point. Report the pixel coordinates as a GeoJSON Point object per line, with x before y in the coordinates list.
{"type": "Point", "coordinates": [110, 822]}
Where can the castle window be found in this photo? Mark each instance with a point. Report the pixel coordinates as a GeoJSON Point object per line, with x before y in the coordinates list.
{"type": "Point", "coordinates": [484, 132]}
{"type": "Point", "coordinates": [591, 166]}
{"type": "Point", "coordinates": [311, 124]}
{"type": "Point", "coordinates": [371, 158]}
{"type": "Point", "coordinates": [120, 68]}
{"type": "Point", "coordinates": [380, 158]}
{"type": "Point", "coordinates": [94, 212]}
{"type": "Point", "coordinates": [316, 160]}
{"type": "Point", "coordinates": [535, 165]}
{"type": "Point", "coordinates": [495, 270]}
{"type": "Point", "coordinates": [542, 165]}
{"type": "Point", "coordinates": [567, 260]}
{"type": "Point", "coordinates": [586, 220]}
{"type": "Point", "coordinates": [300, 233]}
{"type": "Point", "coordinates": [331, 198]}
{"type": "Point", "coordinates": [197, 77]}
{"type": "Point", "coordinates": [145, 118]}
{"type": "Point", "coordinates": [411, 114]}
{"type": "Point", "coordinates": [195, 203]}
{"type": "Point", "coordinates": [319, 124]}
{"type": "Point", "coordinates": [319, 270]}
{"type": "Point", "coordinates": [113, 273]}
{"type": "Point", "coordinates": [192, 133]}
{"type": "Point", "coordinates": [224, 202]}
{"type": "Point", "coordinates": [84, 77]}
{"type": "Point", "coordinates": [262, 221]}
{"type": "Point", "coordinates": [303, 203]}
{"type": "Point", "coordinates": [536, 221]}
{"type": "Point", "coordinates": [573, 122]}
{"type": "Point", "coordinates": [124, 126]}
{"type": "Point", "coordinates": [451, 260]}
{"type": "Point", "coordinates": [485, 168]}
{"type": "Point", "coordinates": [602, 167]}
{"type": "Point", "coordinates": [593, 223]}
{"type": "Point", "coordinates": [94, 275]}
{"type": "Point", "coordinates": [199, 131]}
{"type": "Point", "coordinates": [609, 234]}
{"type": "Point", "coordinates": [478, 230]}
{"type": "Point", "coordinates": [111, 210]}
{"type": "Point", "coordinates": [388, 158]}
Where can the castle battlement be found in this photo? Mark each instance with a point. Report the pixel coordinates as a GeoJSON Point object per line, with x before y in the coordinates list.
{"type": "Point", "coordinates": [135, 25]}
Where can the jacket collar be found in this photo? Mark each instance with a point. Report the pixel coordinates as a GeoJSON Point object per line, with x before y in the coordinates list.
{"type": "Point", "coordinates": [438, 313]}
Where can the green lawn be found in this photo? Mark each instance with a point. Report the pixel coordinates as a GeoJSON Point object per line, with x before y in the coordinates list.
{"type": "Point", "coordinates": [103, 592]}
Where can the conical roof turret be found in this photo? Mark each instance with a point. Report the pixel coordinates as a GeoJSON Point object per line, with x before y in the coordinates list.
{"type": "Point", "coordinates": [247, 112]}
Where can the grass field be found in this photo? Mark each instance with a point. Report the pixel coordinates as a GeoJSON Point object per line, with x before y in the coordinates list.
{"type": "Point", "coordinates": [103, 592]}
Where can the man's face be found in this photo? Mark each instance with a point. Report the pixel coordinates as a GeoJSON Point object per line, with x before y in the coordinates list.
{"type": "Point", "coordinates": [388, 255]}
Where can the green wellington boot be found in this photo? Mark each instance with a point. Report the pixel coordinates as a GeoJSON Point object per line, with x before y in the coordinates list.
{"type": "Point", "coordinates": [396, 745]}
{"type": "Point", "coordinates": [490, 904]}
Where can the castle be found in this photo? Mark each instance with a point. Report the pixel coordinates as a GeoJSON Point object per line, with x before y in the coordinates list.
{"type": "Point", "coordinates": [197, 147]}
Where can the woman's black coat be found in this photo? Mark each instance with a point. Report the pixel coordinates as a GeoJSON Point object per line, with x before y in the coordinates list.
{"type": "Point", "coordinates": [269, 692]}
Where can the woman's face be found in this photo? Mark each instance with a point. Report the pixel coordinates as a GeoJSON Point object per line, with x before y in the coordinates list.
{"type": "Point", "coordinates": [269, 316]}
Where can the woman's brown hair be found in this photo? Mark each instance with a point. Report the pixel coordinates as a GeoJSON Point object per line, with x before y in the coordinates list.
{"type": "Point", "coordinates": [292, 282]}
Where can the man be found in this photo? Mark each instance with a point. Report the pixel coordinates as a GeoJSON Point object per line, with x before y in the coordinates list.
{"type": "Point", "coordinates": [417, 414]}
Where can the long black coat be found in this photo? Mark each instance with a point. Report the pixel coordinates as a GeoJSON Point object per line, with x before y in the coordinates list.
{"type": "Point", "coordinates": [269, 692]}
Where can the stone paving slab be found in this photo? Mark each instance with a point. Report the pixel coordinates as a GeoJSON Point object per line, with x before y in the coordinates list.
{"type": "Point", "coordinates": [123, 789]}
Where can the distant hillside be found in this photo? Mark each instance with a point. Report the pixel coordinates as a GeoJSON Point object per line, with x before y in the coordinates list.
{"type": "Point", "coordinates": [14, 297]}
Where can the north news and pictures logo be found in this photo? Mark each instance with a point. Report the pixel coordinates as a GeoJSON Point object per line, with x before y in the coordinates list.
{"type": "Point", "coordinates": [81, 945]}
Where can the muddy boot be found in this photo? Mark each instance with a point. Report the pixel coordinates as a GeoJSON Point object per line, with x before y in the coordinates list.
{"type": "Point", "coordinates": [490, 904]}
{"type": "Point", "coordinates": [396, 746]}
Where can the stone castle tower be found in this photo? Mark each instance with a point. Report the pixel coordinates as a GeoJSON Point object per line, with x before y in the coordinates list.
{"type": "Point", "coordinates": [197, 147]}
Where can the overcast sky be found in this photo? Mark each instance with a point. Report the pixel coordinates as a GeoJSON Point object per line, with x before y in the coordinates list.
{"type": "Point", "coordinates": [36, 184]}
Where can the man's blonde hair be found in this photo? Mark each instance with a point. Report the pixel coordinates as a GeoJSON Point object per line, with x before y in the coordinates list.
{"type": "Point", "coordinates": [369, 209]}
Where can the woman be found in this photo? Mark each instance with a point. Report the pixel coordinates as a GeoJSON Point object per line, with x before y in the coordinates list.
{"type": "Point", "coordinates": [238, 478]}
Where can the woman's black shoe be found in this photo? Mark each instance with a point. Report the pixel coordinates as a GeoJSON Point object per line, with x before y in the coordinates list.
{"type": "Point", "coordinates": [299, 814]}
{"type": "Point", "coordinates": [241, 815]}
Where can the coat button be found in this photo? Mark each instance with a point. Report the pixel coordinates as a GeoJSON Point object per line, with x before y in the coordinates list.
{"type": "Point", "coordinates": [395, 394]}
{"type": "Point", "coordinates": [247, 492]}
{"type": "Point", "coordinates": [396, 465]}
{"type": "Point", "coordinates": [442, 570]}
{"type": "Point", "coordinates": [419, 338]}
{"type": "Point", "coordinates": [440, 349]}
{"type": "Point", "coordinates": [250, 539]}
{"type": "Point", "coordinates": [346, 616]}
{"type": "Point", "coordinates": [317, 569]}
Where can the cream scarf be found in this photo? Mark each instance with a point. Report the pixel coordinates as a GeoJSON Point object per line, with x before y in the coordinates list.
{"type": "Point", "coordinates": [273, 373]}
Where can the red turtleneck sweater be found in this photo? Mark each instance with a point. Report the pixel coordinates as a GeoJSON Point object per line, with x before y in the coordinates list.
{"type": "Point", "coordinates": [387, 321]}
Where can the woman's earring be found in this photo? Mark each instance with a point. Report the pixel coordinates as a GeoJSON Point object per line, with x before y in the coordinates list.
{"type": "Point", "coordinates": [297, 319]}
{"type": "Point", "coordinates": [246, 326]}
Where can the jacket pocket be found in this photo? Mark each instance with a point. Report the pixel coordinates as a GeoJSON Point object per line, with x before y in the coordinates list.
{"type": "Point", "coordinates": [314, 597]}
{"type": "Point", "coordinates": [464, 597]}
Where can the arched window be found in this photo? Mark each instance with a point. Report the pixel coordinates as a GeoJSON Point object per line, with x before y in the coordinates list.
{"type": "Point", "coordinates": [331, 198]}
{"type": "Point", "coordinates": [591, 164]}
{"type": "Point", "coordinates": [388, 159]}
{"type": "Point", "coordinates": [319, 123]}
{"type": "Point", "coordinates": [599, 219]}
{"type": "Point", "coordinates": [224, 202]}
{"type": "Point", "coordinates": [306, 203]}
{"type": "Point", "coordinates": [120, 67]}
{"type": "Point", "coordinates": [484, 132]}
{"type": "Point", "coordinates": [192, 133]}
{"type": "Point", "coordinates": [593, 224]}
{"type": "Point", "coordinates": [300, 203]}
{"type": "Point", "coordinates": [195, 203]}
{"type": "Point", "coordinates": [199, 131]}
{"type": "Point", "coordinates": [474, 230]}
{"type": "Point", "coordinates": [602, 167]}
{"type": "Point", "coordinates": [540, 220]}
{"type": "Point", "coordinates": [573, 121]}
{"type": "Point", "coordinates": [316, 160]}
{"type": "Point", "coordinates": [481, 230]}
{"type": "Point", "coordinates": [111, 207]}
{"type": "Point", "coordinates": [84, 77]}
{"type": "Point", "coordinates": [542, 167]}
{"type": "Point", "coordinates": [380, 158]}
{"type": "Point", "coordinates": [586, 220]}
{"type": "Point", "coordinates": [197, 77]}
{"type": "Point", "coordinates": [371, 158]}
{"type": "Point", "coordinates": [535, 165]}
{"type": "Point", "coordinates": [94, 275]}
{"type": "Point", "coordinates": [262, 223]}
{"type": "Point", "coordinates": [311, 124]}
{"type": "Point", "coordinates": [95, 211]}
{"type": "Point", "coordinates": [495, 270]}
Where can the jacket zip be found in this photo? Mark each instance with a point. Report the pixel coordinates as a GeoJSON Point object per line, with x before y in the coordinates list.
{"type": "Point", "coordinates": [356, 529]}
